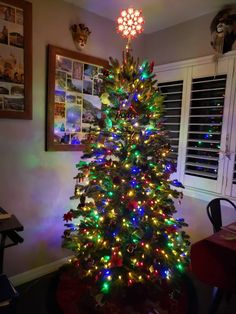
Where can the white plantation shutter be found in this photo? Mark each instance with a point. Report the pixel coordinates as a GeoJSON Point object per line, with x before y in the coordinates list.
{"type": "Point", "coordinates": [200, 114]}
{"type": "Point", "coordinates": [172, 104]}
{"type": "Point", "coordinates": [207, 120]}
{"type": "Point", "coordinates": [205, 125]}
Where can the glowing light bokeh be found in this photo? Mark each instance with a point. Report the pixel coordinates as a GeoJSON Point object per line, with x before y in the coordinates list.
{"type": "Point", "coordinates": [130, 23]}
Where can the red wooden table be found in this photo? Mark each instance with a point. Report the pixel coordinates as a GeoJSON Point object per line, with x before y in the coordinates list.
{"type": "Point", "coordinates": [213, 259]}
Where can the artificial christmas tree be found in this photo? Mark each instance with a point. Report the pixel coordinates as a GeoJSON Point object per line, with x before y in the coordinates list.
{"type": "Point", "coordinates": [125, 233]}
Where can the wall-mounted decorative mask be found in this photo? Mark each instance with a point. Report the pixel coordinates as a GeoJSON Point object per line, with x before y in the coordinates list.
{"type": "Point", "coordinates": [80, 34]}
{"type": "Point", "coordinates": [223, 30]}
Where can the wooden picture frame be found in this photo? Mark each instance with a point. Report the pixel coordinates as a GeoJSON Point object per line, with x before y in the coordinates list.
{"type": "Point", "coordinates": [15, 59]}
{"type": "Point", "coordinates": [74, 81]}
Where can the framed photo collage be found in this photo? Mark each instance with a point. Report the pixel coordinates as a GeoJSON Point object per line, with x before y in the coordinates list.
{"type": "Point", "coordinates": [73, 97]}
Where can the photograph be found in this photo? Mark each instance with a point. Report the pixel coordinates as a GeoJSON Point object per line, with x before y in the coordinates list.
{"type": "Point", "coordinates": [88, 87]}
{"type": "Point", "coordinates": [4, 89]}
{"type": "Point", "coordinates": [60, 80]}
{"type": "Point", "coordinates": [13, 103]}
{"type": "Point", "coordinates": [60, 96]}
{"type": "Point", "coordinates": [16, 37]}
{"type": "Point", "coordinates": [19, 17]}
{"type": "Point", "coordinates": [90, 71]}
{"type": "Point", "coordinates": [57, 137]}
{"type": "Point", "coordinates": [74, 85]}
{"type": "Point", "coordinates": [11, 65]}
{"type": "Point", "coordinates": [17, 90]}
{"type": "Point", "coordinates": [7, 13]}
{"type": "Point", "coordinates": [64, 138]}
{"type": "Point", "coordinates": [59, 110]}
{"type": "Point", "coordinates": [73, 118]}
{"type": "Point", "coordinates": [75, 139]}
{"type": "Point", "coordinates": [91, 111]}
{"type": "Point", "coordinates": [71, 98]}
{"type": "Point", "coordinates": [59, 125]}
{"type": "Point", "coordinates": [77, 70]}
{"type": "Point", "coordinates": [63, 64]}
{"type": "Point", "coordinates": [3, 33]}
{"type": "Point", "coordinates": [97, 85]}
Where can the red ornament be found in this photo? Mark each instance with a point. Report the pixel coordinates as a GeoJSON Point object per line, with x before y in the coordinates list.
{"type": "Point", "coordinates": [68, 216]}
{"type": "Point", "coordinates": [132, 205]}
{"type": "Point", "coordinates": [171, 229]}
{"type": "Point", "coordinates": [116, 259]}
{"type": "Point", "coordinates": [108, 152]}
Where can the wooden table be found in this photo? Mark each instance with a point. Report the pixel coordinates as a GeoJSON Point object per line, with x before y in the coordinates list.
{"type": "Point", "coordinates": [8, 229]}
{"type": "Point", "coordinates": [213, 261]}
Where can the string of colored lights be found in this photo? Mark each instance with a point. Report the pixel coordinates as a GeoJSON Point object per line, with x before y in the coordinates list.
{"type": "Point", "coordinates": [127, 233]}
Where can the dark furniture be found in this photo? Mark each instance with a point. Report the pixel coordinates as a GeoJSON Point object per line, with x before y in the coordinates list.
{"type": "Point", "coordinates": [9, 228]}
{"type": "Point", "coordinates": [213, 261]}
{"type": "Point", "coordinates": [214, 212]}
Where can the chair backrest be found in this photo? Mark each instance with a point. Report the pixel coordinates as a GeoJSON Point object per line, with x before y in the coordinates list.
{"type": "Point", "coordinates": [214, 212]}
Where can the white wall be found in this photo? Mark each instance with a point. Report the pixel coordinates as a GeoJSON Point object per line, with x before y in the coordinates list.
{"type": "Point", "coordinates": [36, 185]}
{"type": "Point", "coordinates": [194, 213]}
{"type": "Point", "coordinates": [187, 40]}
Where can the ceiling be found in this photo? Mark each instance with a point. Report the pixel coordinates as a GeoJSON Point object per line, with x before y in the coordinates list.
{"type": "Point", "coordinates": [158, 14]}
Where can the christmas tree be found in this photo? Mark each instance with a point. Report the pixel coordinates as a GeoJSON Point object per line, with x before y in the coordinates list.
{"type": "Point", "coordinates": [123, 232]}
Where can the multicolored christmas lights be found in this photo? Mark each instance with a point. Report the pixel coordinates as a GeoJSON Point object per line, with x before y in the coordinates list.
{"type": "Point", "coordinates": [123, 231]}
{"type": "Point", "coordinates": [126, 231]}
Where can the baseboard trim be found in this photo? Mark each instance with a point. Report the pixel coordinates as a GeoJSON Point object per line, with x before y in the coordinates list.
{"type": "Point", "coordinates": [37, 272]}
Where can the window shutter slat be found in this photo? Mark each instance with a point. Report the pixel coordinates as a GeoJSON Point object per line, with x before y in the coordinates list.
{"type": "Point", "coordinates": [203, 157]}
{"type": "Point", "coordinates": [202, 174]}
{"type": "Point", "coordinates": [172, 106]}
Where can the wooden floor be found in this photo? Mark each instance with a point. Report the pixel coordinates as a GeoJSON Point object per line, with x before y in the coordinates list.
{"type": "Point", "coordinates": [39, 297]}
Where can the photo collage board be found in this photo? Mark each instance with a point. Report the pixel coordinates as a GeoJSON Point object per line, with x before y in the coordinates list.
{"type": "Point", "coordinates": [11, 58]}
{"type": "Point", "coordinates": [76, 103]}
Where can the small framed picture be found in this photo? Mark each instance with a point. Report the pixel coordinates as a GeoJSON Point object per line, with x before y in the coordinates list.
{"type": "Point", "coordinates": [73, 103]}
{"type": "Point", "coordinates": [15, 59]}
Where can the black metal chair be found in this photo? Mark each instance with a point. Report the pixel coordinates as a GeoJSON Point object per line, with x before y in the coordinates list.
{"type": "Point", "coordinates": [214, 212]}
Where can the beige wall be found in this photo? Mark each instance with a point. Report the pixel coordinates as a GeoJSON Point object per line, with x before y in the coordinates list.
{"type": "Point", "coordinates": [36, 185]}
{"type": "Point", "coordinates": [183, 41]}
